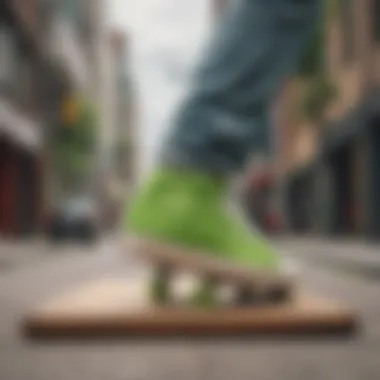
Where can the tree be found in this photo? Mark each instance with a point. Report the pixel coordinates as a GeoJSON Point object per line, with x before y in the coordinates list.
{"type": "Point", "coordinates": [74, 146]}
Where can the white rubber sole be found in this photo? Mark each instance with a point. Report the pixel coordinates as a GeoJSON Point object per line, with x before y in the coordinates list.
{"type": "Point", "coordinates": [170, 257]}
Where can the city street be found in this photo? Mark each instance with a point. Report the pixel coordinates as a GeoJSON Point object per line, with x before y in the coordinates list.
{"type": "Point", "coordinates": [26, 285]}
{"type": "Point", "coordinates": [90, 104]}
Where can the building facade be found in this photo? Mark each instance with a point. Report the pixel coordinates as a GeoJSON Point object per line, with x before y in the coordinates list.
{"type": "Point", "coordinates": [21, 119]}
{"type": "Point", "coordinates": [71, 41]}
{"type": "Point", "coordinates": [333, 164]}
{"type": "Point", "coordinates": [349, 141]}
{"type": "Point", "coordinates": [118, 125]}
{"type": "Point", "coordinates": [46, 52]}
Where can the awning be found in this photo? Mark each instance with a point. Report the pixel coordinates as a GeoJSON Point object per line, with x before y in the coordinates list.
{"type": "Point", "coordinates": [19, 129]}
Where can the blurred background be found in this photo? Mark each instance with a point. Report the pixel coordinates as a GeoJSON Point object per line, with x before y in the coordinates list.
{"type": "Point", "coordinates": [87, 88]}
{"type": "Point", "coordinates": [68, 111]}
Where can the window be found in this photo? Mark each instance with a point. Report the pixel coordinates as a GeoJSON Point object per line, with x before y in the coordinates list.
{"type": "Point", "coordinates": [346, 9]}
{"type": "Point", "coordinates": [16, 73]}
{"type": "Point", "coordinates": [24, 88]}
{"type": "Point", "coordinates": [376, 20]}
{"type": "Point", "coordinates": [8, 54]}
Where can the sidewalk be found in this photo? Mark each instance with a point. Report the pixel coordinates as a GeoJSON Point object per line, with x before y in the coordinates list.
{"type": "Point", "coordinates": [166, 359]}
{"type": "Point", "coordinates": [349, 254]}
{"type": "Point", "coordinates": [14, 253]}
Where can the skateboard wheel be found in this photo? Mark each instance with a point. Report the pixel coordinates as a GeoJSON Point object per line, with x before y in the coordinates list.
{"type": "Point", "coordinates": [261, 296]}
{"type": "Point", "coordinates": [279, 293]}
{"type": "Point", "coordinates": [160, 288]}
{"type": "Point", "coordinates": [246, 296]}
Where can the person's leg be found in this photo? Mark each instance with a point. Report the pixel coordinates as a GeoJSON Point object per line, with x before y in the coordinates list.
{"type": "Point", "coordinates": [223, 119]}
{"type": "Point", "coordinates": [220, 123]}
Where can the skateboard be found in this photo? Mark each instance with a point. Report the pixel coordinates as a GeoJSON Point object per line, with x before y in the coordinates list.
{"type": "Point", "coordinates": [118, 307]}
{"type": "Point", "coordinates": [251, 286]}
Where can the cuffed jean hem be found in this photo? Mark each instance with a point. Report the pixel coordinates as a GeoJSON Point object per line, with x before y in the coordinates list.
{"type": "Point", "coordinates": [180, 160]}
{"type": "Point", "coordinates": [210, 137]}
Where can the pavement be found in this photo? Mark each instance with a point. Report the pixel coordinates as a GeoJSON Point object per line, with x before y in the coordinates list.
{"type": "Point", "coordinates": [354, 256]}
{"type": "Point", "coordinates": [356, 250]}
{"type": "Point", "coordinates": [15, 254]}
{"type": "Point", "coordinates": [26, 285]}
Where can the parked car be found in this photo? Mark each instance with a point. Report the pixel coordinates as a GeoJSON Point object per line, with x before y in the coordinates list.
{"type": "Point", "coordinates": [75, 219]}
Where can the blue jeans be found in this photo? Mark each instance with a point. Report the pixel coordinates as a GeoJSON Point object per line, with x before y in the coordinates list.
{"type": "Point", "coordinates": [224, 118]}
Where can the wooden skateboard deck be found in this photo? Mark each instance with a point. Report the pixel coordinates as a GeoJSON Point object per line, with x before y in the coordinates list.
{"type": "Point", "coordinates": [170, 257]}
{"type": "Point", "coordinates": [118, 307]}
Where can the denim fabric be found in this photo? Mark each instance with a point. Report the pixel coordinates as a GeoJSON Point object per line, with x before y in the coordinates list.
{"type": "Point", "coordinates": [224, 117]}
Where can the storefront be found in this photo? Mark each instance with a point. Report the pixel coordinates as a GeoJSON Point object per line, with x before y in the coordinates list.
{"type": "Point", "coordinates": [299, 200]}
{"type": "Point", "coordinates": [339, 153]}
{"type": "Point", "coordinates": [350, 151]}
{"type": "Point", "coordinates": [19, 191]}
{"type": "Point", "coordinates": [20, 174]}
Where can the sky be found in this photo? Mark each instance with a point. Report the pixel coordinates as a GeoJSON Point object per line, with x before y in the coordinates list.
{"type": "Point", "coordinates": [167, 36]}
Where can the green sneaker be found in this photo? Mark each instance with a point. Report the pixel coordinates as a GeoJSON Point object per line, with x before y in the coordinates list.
{"type": "Point", "coordinates": [180, 218]}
